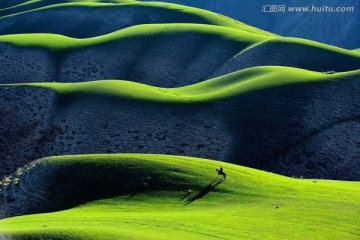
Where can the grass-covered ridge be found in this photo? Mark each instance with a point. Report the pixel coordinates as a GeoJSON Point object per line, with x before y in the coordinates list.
{"type": "Point", "coordinates": [14, 7]}
{"type": "Point", "coordinates": [96, 76]}
{"type": "Point", "coordinates": [60, 42]}
{"type": "Point", "coordinates": [227, 86]}
{"type": "Point", "coordinates": [156, 54]}
{"type": "Point", "coordinates": [249, 204]}
{"type": "Point", "coordinates": [188, 14]}
{"type": "Point", "coordinates": [169, 55]}
{"type": "Point", "coordinates": [287, 41]}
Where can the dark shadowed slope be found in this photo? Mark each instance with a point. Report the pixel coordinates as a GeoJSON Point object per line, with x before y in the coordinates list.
{"type": "Point", "coordinates": [87, 19]}
{"type": "Point", "coordinates": [18, 6]}
{"type": "Point", "coordinates": [164, 55]}
{"type": "Point", "coordinates": [293, 52]}
{"type": "Point", "coordinates": [262, 114]}
{"type": "Point", "coordinates": [262, 117]}
{"type": "Point", "coordinates": [59, 96]}
{"type": "Point", "coordinates": [335, 28]}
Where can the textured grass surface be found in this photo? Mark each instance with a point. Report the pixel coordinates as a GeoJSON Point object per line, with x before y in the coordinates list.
{"type": "Point", "coordinates": [227, 86]}
{"type": "Point", "coordinates": [59, 42]}
{"type": "Point", "coordinates": [319, 45]}
{"type": "Point", "coordinates": [190, 202]}
{"type": "Point", "coordinates": [249, 204]}
{"type": "Point", "coordinates": [294, 52]}
{"type": "Point", "coordinates": [204, 16]}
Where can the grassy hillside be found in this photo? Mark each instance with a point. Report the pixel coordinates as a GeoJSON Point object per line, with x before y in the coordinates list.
{"type": "Point", "coordinates": [164, 55]}
{"type": "Point", "coordinates": [163, 84]}
{"type": "Point", "coordinates": [83, 19]}
{"type": "Point", "coordinates": [157, 54]}
{"type": "Point", "coordinates": [227, 86]}
{"type": "Point", "coordinates": [295, 52]}
{"type": "Point", "coordinates": [192, 202]}
{"type": "Point", "coordinates": [60, 42]}
{"type": "Point", "coordinates": [250, 75]}
{"type": "Point", "coordinates": [289, 110]}
{"type": "Point", "coordinates": [16, 6]}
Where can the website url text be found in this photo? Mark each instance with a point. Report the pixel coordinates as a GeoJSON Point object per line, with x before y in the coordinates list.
{"type": "Point", "coordinates": [309, 9]}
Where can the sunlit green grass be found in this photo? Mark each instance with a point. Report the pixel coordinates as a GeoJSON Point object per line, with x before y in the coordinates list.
{"type": "Point", "coordinates": [35, 4]}
{"type": "Point", "coordinates": [249, 204]}
{"type": "Point", "coordinates": [207, 17]}
{"type": "Point", "coordinates": [60, 42]}
{"type": "Point", "coordinates": [319, 45]}
{"type": "Point", "coordinates": [227, 86]}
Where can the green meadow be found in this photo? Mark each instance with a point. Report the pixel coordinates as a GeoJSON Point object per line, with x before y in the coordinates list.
{"type": "Point", "coordinates": [59, 42]}
{"type": "Point", "coordinates": [249, 204]}
{"type": "Point", "coordinates": [158, 196]}
{"type": "Point", "coordinates": [227, 86]}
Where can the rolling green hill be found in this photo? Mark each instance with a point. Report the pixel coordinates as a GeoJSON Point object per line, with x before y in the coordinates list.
{"type": "Point", "coordinates": [321, 27]}
{"type": "Point", "coordinates": [210, 119]}
{"type": "Point", "coordinates": [110, 114]}
{"type": "Point", "coordinates": [227, 86]}
{"type": "Point", "coordinates": [164, 55]}
{"type": "Point", "coordinates": [87, 19]}
{"type": "Point", "coordinates": [171, 196]}
{"type": "Point", "coordinates": [295, 52]}
{"type": "Point", "coordinates": [59, 42]}
{"type": "Point", "coordinates": [157, 54]}
{"type": "Point", "coordinates": [227, 73]}
{"type": "Point", "coordinates": [18, 6]}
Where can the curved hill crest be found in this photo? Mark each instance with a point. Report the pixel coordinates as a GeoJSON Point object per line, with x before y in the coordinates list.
{"type": "Point", "coordinates": [170, 87]}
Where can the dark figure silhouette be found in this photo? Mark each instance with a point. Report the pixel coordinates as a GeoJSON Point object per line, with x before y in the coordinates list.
{"type": "Point", "coordinates": [221, 172]}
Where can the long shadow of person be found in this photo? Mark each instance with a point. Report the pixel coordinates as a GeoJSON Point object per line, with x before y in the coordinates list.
{"type": "Point", "coordinates": [208, 188]}
{"type": "Point", "coordinates": [188, 193]}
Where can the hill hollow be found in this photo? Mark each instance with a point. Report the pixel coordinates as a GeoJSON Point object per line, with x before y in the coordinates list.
{"type": "Point", "coordinates": [207, 87]}
{"type": "Point", "coordinates": [164, 55]}
{"type": "Point", "coordinates": [290, 127]}
{"type": "Point", "coordinates": [145, 120]}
